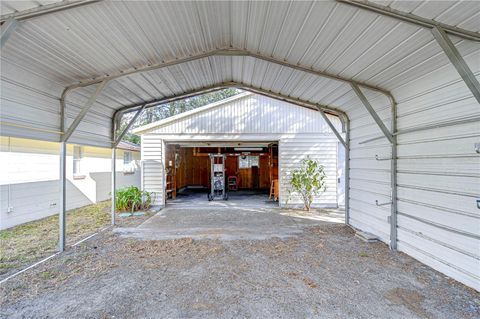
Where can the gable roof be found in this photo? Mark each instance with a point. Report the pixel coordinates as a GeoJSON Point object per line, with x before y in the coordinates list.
{"type": "Point", "coordinates": [145, 128]}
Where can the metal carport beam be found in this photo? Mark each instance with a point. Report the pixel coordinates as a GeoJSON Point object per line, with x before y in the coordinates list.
{"type": "Point", "coordinates": [372, 112]}
{"type": "Point", "coordinates": [334, 129]}
{"type": "Point", "coordinates": [118, 139]}
{"type": "Point", "coordinates": [46, 9]}
{"type": "Point", "coordinates": [458, 62]}
{"type": "Point", "coordinates": [223, 52]}
{"type": "Point", "coordinates": [83, 112]}
{"type": "Point", "coordinates": [7, 28]}
{"type": "Point", "coordinates": [412, 18]}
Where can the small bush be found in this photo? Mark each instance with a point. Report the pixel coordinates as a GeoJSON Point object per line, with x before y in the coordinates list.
{"type": "Point", "coordinates": [308, 180]}
{"type": "Point", "coordinates": [132, 199]}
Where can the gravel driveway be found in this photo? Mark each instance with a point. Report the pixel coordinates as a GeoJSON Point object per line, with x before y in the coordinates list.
{"type": "Point", "coordinates": [309, 270]}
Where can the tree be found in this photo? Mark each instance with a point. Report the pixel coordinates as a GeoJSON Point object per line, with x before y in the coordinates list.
{"type": "Point", "coordinates": [163, 111]}
{"type": "Point", "coordinates": [308, 180]}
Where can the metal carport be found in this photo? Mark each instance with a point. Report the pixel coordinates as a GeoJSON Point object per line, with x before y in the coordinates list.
{"type": "Point", "coordinates": [403, 76]}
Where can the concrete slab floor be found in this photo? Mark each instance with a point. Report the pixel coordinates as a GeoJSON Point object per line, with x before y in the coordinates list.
{"type": "Point", "coordinates": [251, 218]}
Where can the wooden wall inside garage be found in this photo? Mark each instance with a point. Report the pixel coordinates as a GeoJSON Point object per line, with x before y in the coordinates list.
{"type": "Point", "coordinates": [194, 170]}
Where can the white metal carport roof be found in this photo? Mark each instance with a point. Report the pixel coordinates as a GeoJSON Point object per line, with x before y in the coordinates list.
{"type": "Point", "coordinates": [297, 49]}
{"type": "Point", "coordinates": [84, 62]}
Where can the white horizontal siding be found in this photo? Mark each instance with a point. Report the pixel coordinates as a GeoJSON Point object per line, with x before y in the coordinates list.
{"type": "Point", "coordinates": [319, 147]}
{"type": "Point", "coordinates": [153, 168]}
{"type": "Point", "coordinates": [251, 114]}
{"type": "Point", "coordinates": [29, 179]}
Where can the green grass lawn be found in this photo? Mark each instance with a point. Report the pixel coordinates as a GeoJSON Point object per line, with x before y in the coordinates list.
{"type": "Point", "coordinates": [27, 243]}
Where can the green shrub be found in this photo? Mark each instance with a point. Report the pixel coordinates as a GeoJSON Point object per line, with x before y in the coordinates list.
{"type": "Point", "coordinates": [308, 181]}
{"type": "Point", "coordinates": [132, 199]}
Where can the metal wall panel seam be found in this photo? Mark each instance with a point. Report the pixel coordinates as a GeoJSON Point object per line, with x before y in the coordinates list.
{"type": "Point", "coordinates": [437, 225]}
{"type": "Point", "coordinates": [439, 208]}
{"type": "Point", "coordinates": [446, 263]}
{"type": "Point", "coordinates": [437, 190]}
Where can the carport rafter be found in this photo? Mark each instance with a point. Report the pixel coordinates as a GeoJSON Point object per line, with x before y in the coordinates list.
{"type": "Point", "coordinates": [333, 128]}
{"type": "Point", "coordinates": [372, 112]}
{"type": "Point", "coordinates": [129, 125]}
{"type": "Point", "coordinates": [223, 52]}
{"type": "Point", "coordinates": [46, 9]}
{"type": "Point", "coordinates": [7, 28]}
{"type": "Point", "coordinates": [412, 18]}
{"type": "Point", "coordinates": [66, 136]}
{"type": "Point", "coordinates": [457, 60]}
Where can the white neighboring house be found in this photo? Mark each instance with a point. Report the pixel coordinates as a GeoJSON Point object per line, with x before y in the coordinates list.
{"type": "Point", "coordinates": [250, 118]}
{"type": "Point", "coordinates": [29, 175]}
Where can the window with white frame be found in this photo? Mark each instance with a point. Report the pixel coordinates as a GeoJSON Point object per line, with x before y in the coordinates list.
{"type": "Point", "coordinates": [77, 160]}
{"type": "Point", "coordinates": [127, 158]}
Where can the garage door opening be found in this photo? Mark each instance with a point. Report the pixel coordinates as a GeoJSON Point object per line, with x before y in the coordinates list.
{"type": "Point", "coordinates": [250, 172]}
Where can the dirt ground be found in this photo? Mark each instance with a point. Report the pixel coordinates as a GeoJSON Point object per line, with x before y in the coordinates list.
{"type": "Point", "coordinates": [321, 272]}
{"type": "Point", "coordinates": [23, 245]}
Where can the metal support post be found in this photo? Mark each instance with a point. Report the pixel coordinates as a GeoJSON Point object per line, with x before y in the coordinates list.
{"type": "Point", "coordinates": [346, 122]}
{"type": "Point", "coordinates": [393, 163]}
{"type": "Point", "coordinates": [62, 203]}
{"type": "Point", "coordinates": [114, 182]}
{"type": "Point", "coordinates": [393, 180]}
{"type": "Point", "coordinates": [63, 154]}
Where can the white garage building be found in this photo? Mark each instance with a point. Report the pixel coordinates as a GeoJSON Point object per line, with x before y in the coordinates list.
{"type": "Point", "coordinates": [401, 75]}
{"type": "Point", "coordinates": [246, 122]}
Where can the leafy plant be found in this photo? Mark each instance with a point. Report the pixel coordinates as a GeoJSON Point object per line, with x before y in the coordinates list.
{"type": "Point", "coordinates": [308, 180]}
{"type": "Point", "coordinates": [132, 199]}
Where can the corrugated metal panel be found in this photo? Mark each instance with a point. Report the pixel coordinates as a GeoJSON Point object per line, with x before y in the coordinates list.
{"type": "Point", "coordinates": [439, 173]}
{"type": "Point", "coordinates": [93, 40]}
{"type": "Point", "coordinates": [153, 172]}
